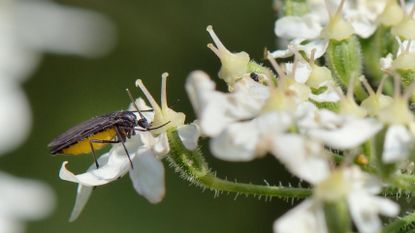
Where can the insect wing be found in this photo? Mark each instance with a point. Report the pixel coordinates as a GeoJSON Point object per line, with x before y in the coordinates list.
{"type": "Point", "coordinates": [81, 131]}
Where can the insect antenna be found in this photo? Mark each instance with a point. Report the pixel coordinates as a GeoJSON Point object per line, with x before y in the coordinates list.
{"type": "Point", "coordinates": [134, 104]}
{"type": "Point", "coordinates": [153, 128]}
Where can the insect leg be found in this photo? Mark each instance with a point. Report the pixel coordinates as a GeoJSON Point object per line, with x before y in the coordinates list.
{"type": "Point", "coordinates": [148, 129]}
{"type": "Point", "coordinates": [122, 140]}
{"type": "Point", "coordinates": [99, 141]}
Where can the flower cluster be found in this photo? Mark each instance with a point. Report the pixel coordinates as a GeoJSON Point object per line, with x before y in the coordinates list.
{"type": "Point", "coordinates": [348, 132]}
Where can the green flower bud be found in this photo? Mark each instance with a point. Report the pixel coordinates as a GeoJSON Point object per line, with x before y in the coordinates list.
{"type": "Point", "coordinates": [345, 60]}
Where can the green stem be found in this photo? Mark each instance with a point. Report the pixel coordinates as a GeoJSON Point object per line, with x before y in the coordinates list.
{"type": "Point", "coordinates": [192, 167]}
{"type": "Point", "coordinates": [399, 223]}
{"type": "Point", "coordinates": [214, 183]}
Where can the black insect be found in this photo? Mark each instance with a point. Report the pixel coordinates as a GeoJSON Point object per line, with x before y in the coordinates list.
{"type": "Point", "coordinates": [93, 134]}
{"type": "Point", "coordinates": [254, 76]}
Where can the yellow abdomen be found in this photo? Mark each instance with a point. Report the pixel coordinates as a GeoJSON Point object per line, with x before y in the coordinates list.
{"type": "Point", "coordinates": [83, 147]}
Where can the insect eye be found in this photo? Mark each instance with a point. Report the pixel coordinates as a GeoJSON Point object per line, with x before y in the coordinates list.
{"type": "Point", "coordinates": [143, 123]}
{"type": "Point", "coordinates": [254, 76]}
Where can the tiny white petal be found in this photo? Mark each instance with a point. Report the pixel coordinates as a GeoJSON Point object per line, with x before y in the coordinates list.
{"type": "Point", "coordinates": [303, 158]}
{"type": "Point", "coordinates": [330, 95]}
{"type": "Point", "coordinates": [284, 53]}
{"type": "Point", "coordinates": [386, 62]}
{"type": "Point", "coordinates": [304, 218]}
{"type": "Point", "coordinates": [398, 142]}
{"type": "Point", "coordinates": [189, 135]}
{"type": "Point", "coordinates": [320, 46]}
{"type": "Point", "coordinates": [161, 146]}
{"type": "Point", "coordinates": [216, 109]}
{"type": "Point", "coordinates": [148, 176]}
{"type": "Point", "coordinates": [302, 71]}
{"type": "Point", "coordinates": [365, 209]}
{"type": "Point", "coordinates": [245, 141]}
{"type": "Point", "coordinates": [113, 165]}
{"type": "Point", "coordinates": [82, 196]}
{"type": "Point", "coordinates": [297, 27]}
{"type": "Point", "coordinates": [362, 25]}
{"type": "Point", "coordinates": [236, 143]}
{"type": "Point", "coordinates": [350, 134]}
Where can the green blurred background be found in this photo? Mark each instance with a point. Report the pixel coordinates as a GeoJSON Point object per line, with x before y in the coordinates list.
{"type": "Point", "coordinates": [153, 37]}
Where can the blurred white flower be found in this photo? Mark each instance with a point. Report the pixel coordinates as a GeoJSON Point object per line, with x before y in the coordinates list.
{"type": "Point", "coordinates": [23, 200]}
{"type": "Point", "coordinates": [348, 184]}
{"type": "Point", "coordinates": [28, 29]}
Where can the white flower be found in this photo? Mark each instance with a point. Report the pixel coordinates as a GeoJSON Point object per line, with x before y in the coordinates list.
{"type": "Point", "coordinates": [346, 184]}
{"type": "Point", "coordinates": [244, 141]}
{"type": "Point", "coordinates": [303, 157]}
{"type": "Point", "coordinates": [342, 131]}
{"type": "Point", "coordinates": [23, 200]}
{"type": "Point", "coordinates": [400, 123]}
{"type": "Point", "coordinates": [216, 110]}
{"type": "Point", "coordinates": [398, 144]}
{"type": "Point", "coordinates": [145, 150]}
{"type": "Point", "coordinates": [27, 29]}
{"type": "Point", "coordinates": [315, 77]}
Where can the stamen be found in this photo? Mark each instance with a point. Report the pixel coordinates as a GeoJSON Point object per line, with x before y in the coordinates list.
{"type": "Point", "coordinates": [408, 45]}
{"type": "Point", "coordinates": [312, 55]}
{"type": "Point", "coordinates": [350, 88]}
{"type": "Point", "coordinates": [396, 86]}
{"type": "Point", "coordinates": [293, 71]}
{"type": "Point", "coordinates": [328, 8]}
{"type": "Point", "coordinates": [214, 49]}
{"type": "Point", "coordinates": [215, 38]}
{"type": "Point", "coordinates": [275, 65]}
{"type": "Point", "coordinates": [409, 91]}
{"type": "Point", "coordinates": [380, 87]}
{"type": "Point", "coordinates": [411, 14]}
{"type": "Point", "coordinates": [402, 3]}
{"type": "Point", "coordinates": [150, 98]}
{"type": "Point", "coordinates": [340, 8]}
{"type": "Point", "coordinates": [164, 90]}
{"type": "Point", "coordinates": [367, 85]}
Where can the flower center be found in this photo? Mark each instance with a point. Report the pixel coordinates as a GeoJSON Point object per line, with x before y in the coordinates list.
{"type": "Point", "coordinates": [164, 114]}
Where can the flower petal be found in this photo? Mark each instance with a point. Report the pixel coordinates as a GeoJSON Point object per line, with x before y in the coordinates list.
{"type": "Point", "coordinates": [365, 210]}
{"type": "Point", "coordinates": [291, 27]}
{"type": "Point", "coordinates": [82, 196]}
{"type": "Point", "coordinates": [352, 133]}
{"type": "Point", "coordinates": [148, 176]}
{"type": "Point", "coordinates": [303, 158]}
{"type": "Point", "coordinates": [189, 135]}
{"type": "Point", "coordinates": [304, 218]}
{"type": "Point", "coordinates": [113, 164]}
{"type": "Point", "coordinates": [398, 143]}
{"type": "Point", "coordinates": [216, 109]}
{"type": "Point", "coordinates": [244, 141]}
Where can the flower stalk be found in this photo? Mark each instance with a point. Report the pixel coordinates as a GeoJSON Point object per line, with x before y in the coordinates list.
{"type": "Point", "coordinates": [193, 167]}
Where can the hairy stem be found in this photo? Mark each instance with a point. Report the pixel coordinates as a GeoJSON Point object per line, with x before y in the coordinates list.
{"type": "Point", "coordinates": [192, 167]}
{"type": "Point", "coordinates": [400, 223]}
